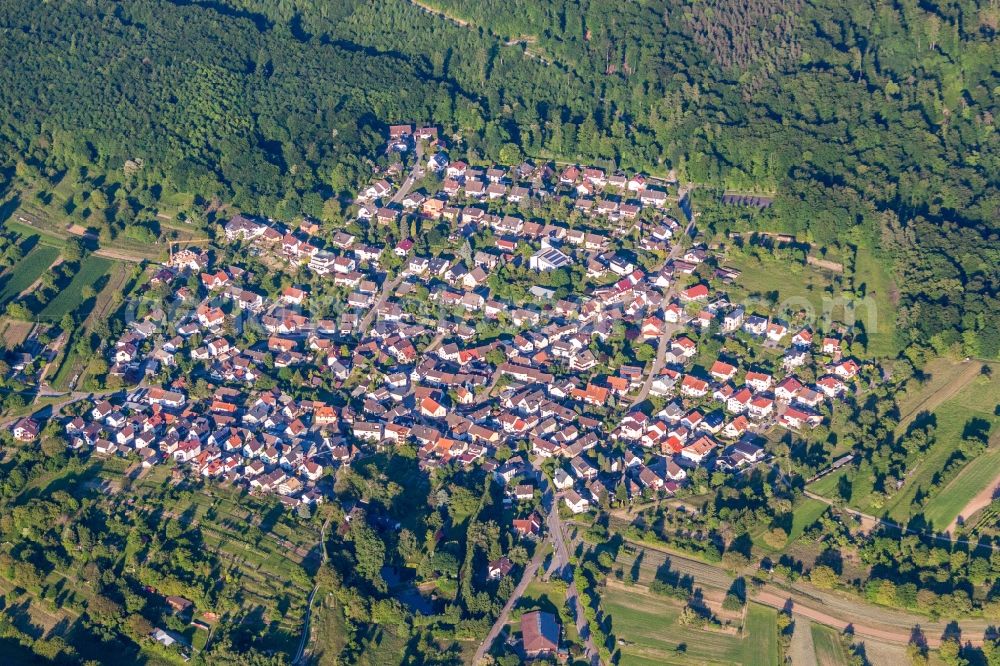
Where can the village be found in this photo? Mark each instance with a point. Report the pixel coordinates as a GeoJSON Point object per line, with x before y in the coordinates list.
{"type": "Point", "coordinates": [402, 344]}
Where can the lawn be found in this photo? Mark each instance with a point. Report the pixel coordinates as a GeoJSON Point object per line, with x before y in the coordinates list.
{"type": "Point", "coordinates": [805, 513]}
{"type": "Point", "coordinates": [801, 287]}
{"type": "Point", "coordinates": [828, 485]}
{"type": "Point", "coordinates": [382, 648]}
{"type": "Point", "coordinates": [760, 645]}
{"type": "Point", "coordinates": [170, 205]}
{"type": "Point", "coordinates": [24, 273]}
{"type": "Point", "coordinates": [545, 596]}
{"type": "Point", "coordinates": [329, 630]}
{"type": "Point", "coordinates": [67, 369]}
{"type": "Point", "coordinates": [652, 634]}
{"type": "Point", "coordinates": [829, 648]}
{"type": "Point", "coordinates": [45, 234]}
{"type": "Point", "coordinates": [551, 597]}
{"type": "Point", "coordinates": [68, 300]}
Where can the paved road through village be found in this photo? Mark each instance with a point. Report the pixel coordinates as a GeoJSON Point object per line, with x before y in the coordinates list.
{"type": "Point", "coordinates": [389, 286]}
{"type": "Point", "coordinates": [668, 329]}
{"type": "Point", "coordinates": [560, 566]}
{"type": "Point", "coordinates": [529, 574]}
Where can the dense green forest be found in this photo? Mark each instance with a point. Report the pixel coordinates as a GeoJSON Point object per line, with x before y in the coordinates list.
{"type": "Point", "coordinates": [874, 124]}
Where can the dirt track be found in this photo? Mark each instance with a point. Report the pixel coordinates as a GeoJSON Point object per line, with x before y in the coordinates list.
{"type": "Point", "coordinates": [525, 40]}
{"type": "Point", "coordinates": [980, 501]}
{"type": "Point", "coordinates": [437, 12]}
{"type": "Point", "coordinates": [122, 255]}
{"type": "Point", "coordinates": [864, 631]}
{"type": "Point", "coordinates": [831, 608]}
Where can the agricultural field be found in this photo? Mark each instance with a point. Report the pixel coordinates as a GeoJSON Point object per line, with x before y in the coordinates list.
{"type": "Point", "coordinates": [29, 227]}
{"type": "Point", "coordinates": [945, 378]}
{"type": "Point", "coordinates": [24, 273]}
{"type": "Point", "coordinates": [977, 400]}
{"type": "Point", "coordinates": [829, 646]}
{"type": "Point", "coordinates": [647, 563]}
{"type": "Point", "coordinates": [890, 654]}
{"type": "Point", "coordinates": [108, 298]}
{"type": "Point", "coordinates": [106, 303]}
{"type": "Point", "coordinates": [953, 501]}
{"type": "Point", "coordinates": [649, 623]}
{"type": "Point", "coordinates": [70, 299]}
{"type": "Point", "coordinates": [649, 626]}
{"type": "Point", "coordinates": [955, 394]}
{"type": "Point", "coordinates": [760, 636]}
